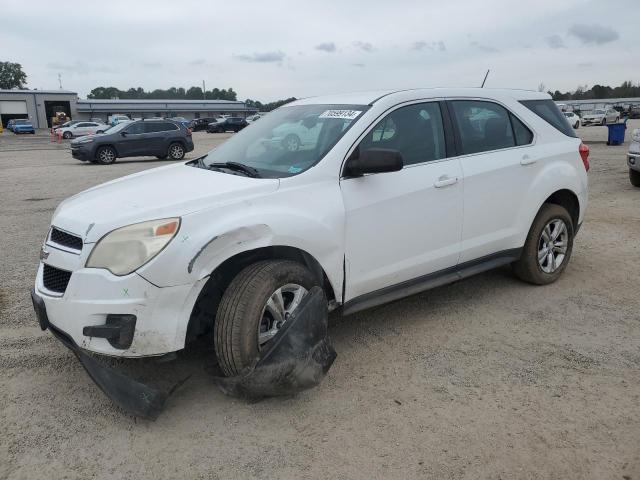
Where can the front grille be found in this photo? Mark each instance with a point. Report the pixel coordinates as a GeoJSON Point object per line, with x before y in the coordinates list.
{"type": "Point", "coordinates": [55, 279]}
{"type": "Point", "coordinates": [63, 238]}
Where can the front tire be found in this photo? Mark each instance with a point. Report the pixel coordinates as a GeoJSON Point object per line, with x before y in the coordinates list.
{"type": "Point", "coordinates": [548, 247]}
{"type": "Point", "coordinates": [577, 125]}
{"type": "Point", "coordinates": [291, 143]}
{"type": "Point", "coordinates": [253, 308]}
{"type": "Point", "coordinates": [106, 155]}
{"type": "Point", "coordinates": [67, 135]}
{"type": "Point", "coordinates": [634, 178]}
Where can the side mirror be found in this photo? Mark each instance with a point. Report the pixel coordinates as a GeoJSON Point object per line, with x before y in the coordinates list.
{"type": "Point", "coordinates": [373, 160]}
{"type": "Point", "coordinates": [124, 134]}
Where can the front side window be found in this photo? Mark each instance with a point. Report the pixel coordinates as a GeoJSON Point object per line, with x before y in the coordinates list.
{"type": "Point", "coordinates": [482, 126]}
{"type": "Point", "coordinates": [416, 131]}
{"type": "Point", "coordinates": [136, 128]}
{"type": "Point", "coordinates": [289, 140]}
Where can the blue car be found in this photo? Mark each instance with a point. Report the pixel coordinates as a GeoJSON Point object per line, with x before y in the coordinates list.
{"type": "Point", "coordinates": [22, 126]}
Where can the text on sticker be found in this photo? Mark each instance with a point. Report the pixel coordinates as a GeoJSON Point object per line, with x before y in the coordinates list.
{"type": "Point", "coordinates": [346, 114]}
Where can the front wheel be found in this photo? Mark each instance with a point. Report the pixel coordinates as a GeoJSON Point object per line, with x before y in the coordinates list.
{"type": "Point", "coordinates": [604, 122]}
{"type": "Point", "coordinates": [67, 135]}
{"type": "Point", "coordinates": [106, 155]}
{"type": "Point", "coordinates": [291, 143]}
{"type": "Point", "coordinates": [548, 247]}
{"type": "Point", "coordinates": [176, 151]}
{"type": "Point", "coordinates": [257, 303]}
{"type": "Point", "coordinates": [577, 125]}
{"type": "Point", "coordinates": [634, 178]}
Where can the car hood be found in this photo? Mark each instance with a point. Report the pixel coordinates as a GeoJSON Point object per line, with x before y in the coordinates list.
{"type": "Point", "coordinates": [164, 192]}
{"type": "Point", "coordinates": [594, 115]}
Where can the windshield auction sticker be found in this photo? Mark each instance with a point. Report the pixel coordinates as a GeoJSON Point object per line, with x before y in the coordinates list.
{"type": "Point", "coordinates": [344, 114]}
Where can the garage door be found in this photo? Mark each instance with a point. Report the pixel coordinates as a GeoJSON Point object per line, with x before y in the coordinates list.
{"type": "Point", "coordinates": [13, 106]}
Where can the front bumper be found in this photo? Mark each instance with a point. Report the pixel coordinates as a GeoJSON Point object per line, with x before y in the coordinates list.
{"type": "Point", "coordinates": [94, 297]}
{"type": "Point", "coordinates": [592, 121]}
{"type": "Point", "coordinates": [633, 160]}
{"type": "Point", "coordinates": [82, 153]}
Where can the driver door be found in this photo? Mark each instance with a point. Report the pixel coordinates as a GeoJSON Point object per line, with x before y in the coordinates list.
{"type": "Point", "coordinates": [403, 225]}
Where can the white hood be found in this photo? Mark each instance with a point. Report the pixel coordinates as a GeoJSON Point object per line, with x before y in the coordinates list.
{"type": "Point", "coordinates": [170, 191]}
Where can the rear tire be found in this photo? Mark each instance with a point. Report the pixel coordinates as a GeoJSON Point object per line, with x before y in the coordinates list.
{"type": "Point", "coordinates": [634, 178]}
{"type": "Point", "coordinates": [245, 309]}
{"type": "Point", "coordinates": [176, 151]}
{"type": "Point", "coordinates": [542, 272]}
{"type": "Point", "coordinates": [106, 155]}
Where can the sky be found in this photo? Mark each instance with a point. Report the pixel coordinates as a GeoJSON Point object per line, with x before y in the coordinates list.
{"type": "Point", "coordinates": [269, 50]}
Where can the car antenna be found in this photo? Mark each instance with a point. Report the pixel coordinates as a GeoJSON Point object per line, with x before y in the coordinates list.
{"type": "Point", "coordinates": [485, 78]}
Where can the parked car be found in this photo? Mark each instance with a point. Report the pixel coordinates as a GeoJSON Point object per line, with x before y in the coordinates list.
{"type": "Point", "coordinates": [70, 123]}
{"type": "Point", "coordinates": [601, 117]}
{"type": "Point", "coordinates": [294, 136]}
{"type": "Point", "coordinates": [229, 124]}
{"type": "Point", "coordinates": [186, 123]}
{"type": "Point", "coordinates": [399, 193]}
{"type": "Point", "coordinates": [633, 158]}
{"type": "Point", "coordinates": [199, 124]}
{"type": "Point", "coordinates": [574, 120]}
{"type": "Point", "coordinates": [634, 111]}
{"type": "Point", "coordinates": [253, 118]}
{"type": "Point", "coordinates": [82, 128]}
{"type": "Point", "coordinates": [12, 122]}
{"type": "Point", "coordinates": [97, 120]}
{"type": "Point", "coordinates": [23, 126]}
{"type": "Point", "coordinates": [115, 119]}
{"type": "Point", "coordinates": [135, 139]}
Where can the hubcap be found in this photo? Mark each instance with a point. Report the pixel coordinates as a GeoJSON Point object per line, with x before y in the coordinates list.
{"type": "Point", "coordinates": [278, 309]}
{"type": "Point", "coordinates": [106, 155]}
{"type": "Point", "coordinates": [292, 144]}
{"type": "Point", "coordinates": [176, 151]}
{"type": "Point", "coordinates": [552, 246]}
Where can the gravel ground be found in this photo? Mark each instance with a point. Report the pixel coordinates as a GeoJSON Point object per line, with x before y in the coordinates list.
{"type": "Point", "coordinates": [486, 378]}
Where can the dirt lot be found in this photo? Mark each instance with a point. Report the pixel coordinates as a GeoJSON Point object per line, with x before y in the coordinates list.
{"type": "Point", "coordinates": [487, 378]}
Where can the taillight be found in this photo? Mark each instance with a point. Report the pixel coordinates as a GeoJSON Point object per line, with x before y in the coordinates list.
{"type": "Point", "coordinates": [584, 154]}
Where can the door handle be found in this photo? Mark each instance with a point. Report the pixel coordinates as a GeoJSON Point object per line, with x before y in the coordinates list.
{"type": "Point", "coordinates": [445, 181]}
{"type": "Point", "coordinates": [527, 160]}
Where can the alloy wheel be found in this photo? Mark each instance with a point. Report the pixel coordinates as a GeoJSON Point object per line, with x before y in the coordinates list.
{"type": "Point", "coordinates": [278, 309]}
{"type": "Point", "coordinates": [106, 155]}
{"type": "Point", "coordinates": [552, 245]}
{"type": "Point", "coordinates": [176, 152]}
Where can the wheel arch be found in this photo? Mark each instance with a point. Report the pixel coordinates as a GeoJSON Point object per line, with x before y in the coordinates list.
{"type": "Point", "coordinates": [567, 199]}
{"type": "Point", "coordinates": [203, 314]}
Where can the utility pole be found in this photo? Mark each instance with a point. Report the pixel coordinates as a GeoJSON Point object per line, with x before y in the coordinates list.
{"type": "Point", "coordinates": [204, 95]}
{"type": "Point", "coordinates": [60, 81]}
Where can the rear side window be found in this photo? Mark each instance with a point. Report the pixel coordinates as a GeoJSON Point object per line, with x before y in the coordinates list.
{"type": "Point", "coordinates": [156, 127]}
{"type": "Point", "coordinates": [524, 136]}
{"type": "Point", "coordinates": [482, 126]}
{"type": "Point", "coordinates": [549, 111]}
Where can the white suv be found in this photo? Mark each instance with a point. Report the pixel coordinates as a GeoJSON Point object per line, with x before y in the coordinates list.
{"type": "Point", "coordinates": [400, 191]}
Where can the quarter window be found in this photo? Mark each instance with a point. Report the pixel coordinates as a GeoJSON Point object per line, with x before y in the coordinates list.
{"type": "Point", "coordinates": [482, 126]}
{"type": "Point", "coordinates": [416, 131]}
{"type": "Point", "coordinates": [524, 136]}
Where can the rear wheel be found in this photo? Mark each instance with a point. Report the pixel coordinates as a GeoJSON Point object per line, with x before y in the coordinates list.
{"type": "Point", "coordinates": [257, 303]}
{"type": "Point", "coordinates": [548, 247]}
{"type": "Point", "coordinates": [106, 155]}
{"type": "Point", "coordinates": [634, 178]}
{"type": "Point", "coordinates": [176, 151]}
{"type": "Point", "coordinates": [577, 125]}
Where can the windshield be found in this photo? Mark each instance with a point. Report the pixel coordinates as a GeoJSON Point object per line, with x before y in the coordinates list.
{"type": "Point", "coordinates": [22, 122]}
{"type": "Point", "coordinates": [289, 140]}
{"type": "Point", "coordinates": [599, 112]}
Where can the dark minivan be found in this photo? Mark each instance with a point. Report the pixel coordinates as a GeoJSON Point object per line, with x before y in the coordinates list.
{"type": "Point", "coordinates": [159, 138]}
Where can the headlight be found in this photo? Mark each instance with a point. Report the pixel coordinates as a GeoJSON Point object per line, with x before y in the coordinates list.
{"type": "Point", "coordinates": [126, 249]}
{"type": "Point", "coordinates": [84, 140]}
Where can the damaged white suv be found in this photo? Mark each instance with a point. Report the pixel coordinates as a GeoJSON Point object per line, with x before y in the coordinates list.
{"type": "Point", "coordinates": [391, 193]}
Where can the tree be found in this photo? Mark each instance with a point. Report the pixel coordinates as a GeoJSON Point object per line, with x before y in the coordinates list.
{"type": "Point", "coordinates": [11, 75]}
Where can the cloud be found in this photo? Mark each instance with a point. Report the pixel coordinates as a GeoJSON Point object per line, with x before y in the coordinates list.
{"type": "Point", "coordinates": [364, 46]}
{"type": "Point", "coordinates": [361, 65]}
{"type": "Point", "coordinates": [484, 48]}
{"type": "Point", "coordinates": [327, 47]}
{"type": "Point", "coordinates": [80, 68]}
{"type": "Point", "coordinates": [196, 62]}
{"type": "Point", "coordinates": [262, 57]}
{"type": "Point", "coordinates": [555, 42]}
{"type": "Point", "coordinates": [152, 64]}
{"type": "Point", "coordinates": [585, 64]}
{"type": "Point", "coordinates": [421, 45]}
{"type": "Point", "coordinates": [593, 34]}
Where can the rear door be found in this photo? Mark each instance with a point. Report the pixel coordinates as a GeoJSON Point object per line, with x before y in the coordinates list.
{"type": "Point", "coordinates": [498, 164]}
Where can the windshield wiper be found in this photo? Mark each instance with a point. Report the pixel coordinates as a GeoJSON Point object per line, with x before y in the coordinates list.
{"type": "Point", "coordinates": [239, 167]}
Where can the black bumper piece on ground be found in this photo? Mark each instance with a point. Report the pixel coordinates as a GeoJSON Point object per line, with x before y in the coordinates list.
{"type": "Point", "coordinates": [299, 357]}
{"type": "Point", "coordinates": [132, 396]}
